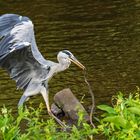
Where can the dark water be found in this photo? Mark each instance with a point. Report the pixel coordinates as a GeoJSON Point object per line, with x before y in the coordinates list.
{"type": "Point", "coordinates": [103, 35]}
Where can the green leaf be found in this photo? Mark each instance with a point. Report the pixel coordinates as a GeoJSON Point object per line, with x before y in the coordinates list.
{"type": "Point", "coordinates": [119, 121]}
{"type": "Point", "coordinates": [138, 134]}
{"type": "Point", "coordinates": [106, 108]}
{"type": "Point", "coordinates": [134, 110]}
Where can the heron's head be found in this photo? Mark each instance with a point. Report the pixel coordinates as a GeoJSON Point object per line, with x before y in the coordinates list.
{"type": "Point", "coordinates": [66, 57]}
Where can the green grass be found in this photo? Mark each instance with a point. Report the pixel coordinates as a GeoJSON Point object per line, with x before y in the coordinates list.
{"type": "Point", "coordinates": [38, 128]}
{"type": "Point", "coordinates": [121, 121]}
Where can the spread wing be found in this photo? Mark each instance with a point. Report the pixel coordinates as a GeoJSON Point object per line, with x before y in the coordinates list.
{"type": "Point", "coordinates": [19, 54]}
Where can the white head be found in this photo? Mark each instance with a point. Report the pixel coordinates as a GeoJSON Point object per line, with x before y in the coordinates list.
{"type": "Point", "coordinates": [65, 57]}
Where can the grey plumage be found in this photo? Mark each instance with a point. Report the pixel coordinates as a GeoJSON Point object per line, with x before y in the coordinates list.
{"type": "Point", "coordinates": [20, 56]}
{"type": "Point", "coordinates": [17, 46]}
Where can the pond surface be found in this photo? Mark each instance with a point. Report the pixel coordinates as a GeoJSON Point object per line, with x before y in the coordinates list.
{"type": "Point", "coordinates": [103, 35]}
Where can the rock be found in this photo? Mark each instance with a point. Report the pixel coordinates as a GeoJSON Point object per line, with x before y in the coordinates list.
{"type": "Point", "coordinates": [69, 104]}
{"type": "Point", "coordinates": [55, 109]}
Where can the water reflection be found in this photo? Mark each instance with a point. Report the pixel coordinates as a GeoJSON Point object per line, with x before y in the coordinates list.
{"type": "Point", "coordinates": [103, 35]}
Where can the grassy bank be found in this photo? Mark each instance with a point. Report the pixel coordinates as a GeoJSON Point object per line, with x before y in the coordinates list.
{"type": "Point", "coordinates": [121, 121]}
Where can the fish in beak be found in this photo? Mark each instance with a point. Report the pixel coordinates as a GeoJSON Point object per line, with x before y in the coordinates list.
{"type": "Point", "coordinates": [75, 61]}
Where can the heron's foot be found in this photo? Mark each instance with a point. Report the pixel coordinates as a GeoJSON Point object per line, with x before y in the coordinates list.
{"type": "Point", "coordinates": [58, 120]}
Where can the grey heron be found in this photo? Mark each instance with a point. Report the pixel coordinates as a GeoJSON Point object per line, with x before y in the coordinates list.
{"type": "Point", "coordinates": [20, 56]}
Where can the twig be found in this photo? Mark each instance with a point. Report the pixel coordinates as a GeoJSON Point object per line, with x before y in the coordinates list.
{"type": "Point", "coordinates": [92, 97]}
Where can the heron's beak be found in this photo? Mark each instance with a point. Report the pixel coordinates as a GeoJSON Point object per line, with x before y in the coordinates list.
{"type": "Point", "coordinates": [75, 61]}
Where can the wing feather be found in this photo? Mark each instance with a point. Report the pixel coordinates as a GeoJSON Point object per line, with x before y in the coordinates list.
{"type": "Point", "coordinates": [19, 54]}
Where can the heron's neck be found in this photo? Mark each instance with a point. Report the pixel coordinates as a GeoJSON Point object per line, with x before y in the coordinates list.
{"type": "Point", "coordinates": [62, 66]}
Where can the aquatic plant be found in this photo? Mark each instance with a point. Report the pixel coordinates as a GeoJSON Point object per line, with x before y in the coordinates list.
{"type": "Point", "coordinates": [38, 128]}
{"type": "Point", "coordinates": [121, 121]}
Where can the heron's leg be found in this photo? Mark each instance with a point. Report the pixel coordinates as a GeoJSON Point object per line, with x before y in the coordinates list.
{"type": "Point", "coordinates": [22, 100]}
{"type": "Point", "coordinates": [46, 98]}
{"type": "Point", "coordinates": [31, 90]}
